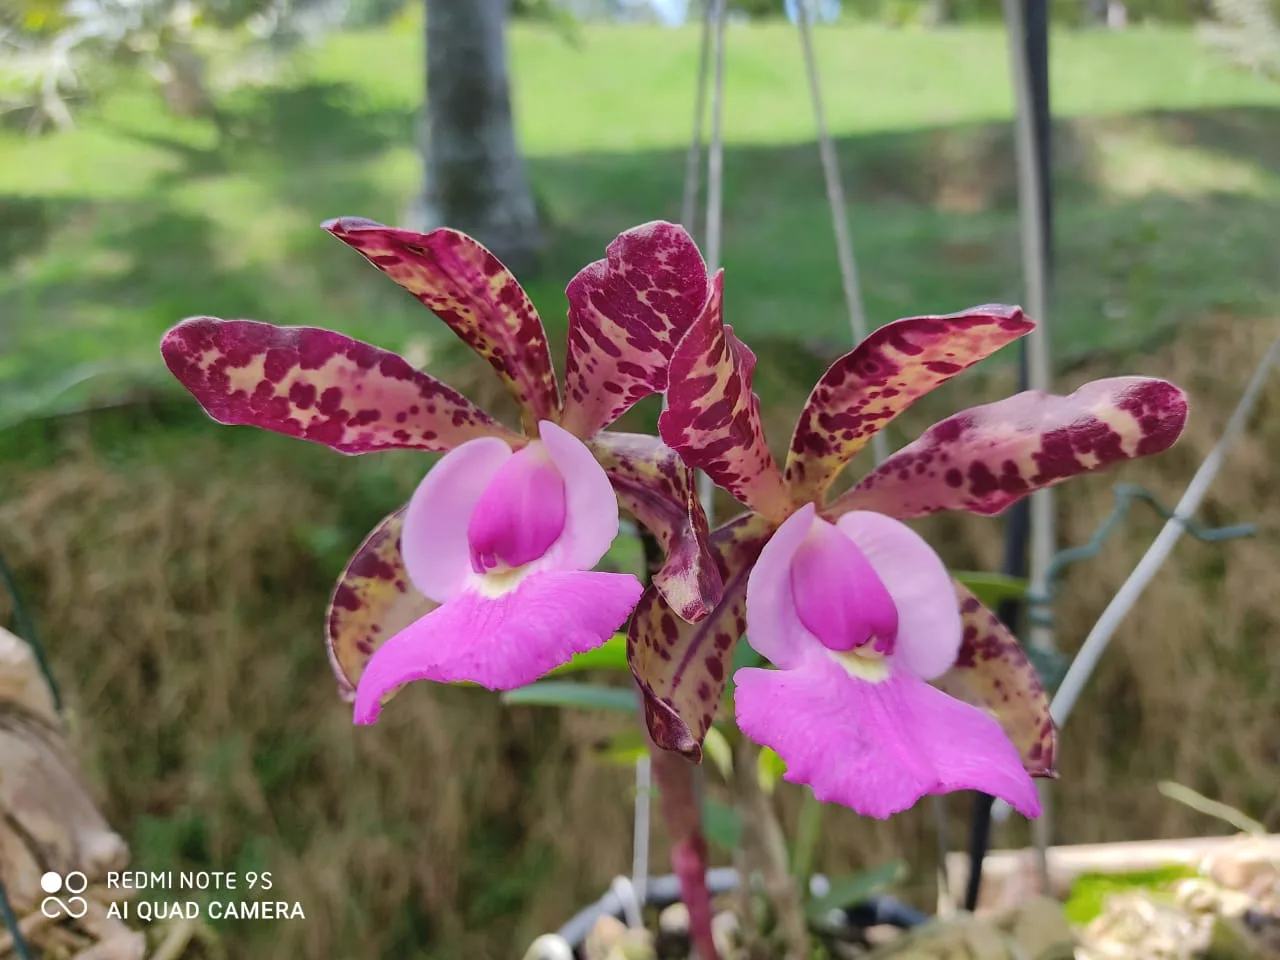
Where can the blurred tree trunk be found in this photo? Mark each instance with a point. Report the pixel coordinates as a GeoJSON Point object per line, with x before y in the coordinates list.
{"type": "Point", "coordinates": [475, 176]}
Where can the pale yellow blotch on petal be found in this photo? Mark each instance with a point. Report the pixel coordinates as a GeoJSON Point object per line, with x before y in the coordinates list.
{"type": "Point", "coordinates": [502, 582]}
{"type": "Point", "coordinates": [863, 663]}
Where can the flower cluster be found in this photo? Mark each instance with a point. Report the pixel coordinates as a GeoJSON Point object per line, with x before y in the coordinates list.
{"type": "Point", "coordinates": [887, 679]}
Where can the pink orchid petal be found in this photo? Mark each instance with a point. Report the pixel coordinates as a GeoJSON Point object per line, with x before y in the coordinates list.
{"type": "Point", "coordinates": [877, 747]}
{"type": "Point", "coordinates": [591, 507]}
{"type": "Point", "coordinates": [772, 620]}
{"type": "Point", "coordinates": [928, 613]}
{"type": "Point", "coordinates": [839, 596]}
{"type": "Point", "coordinates": [520, 514]}
{"type": "Point", "coordinates": [437, 553]}
{"type": "Point", "coordinates": [501, 642]}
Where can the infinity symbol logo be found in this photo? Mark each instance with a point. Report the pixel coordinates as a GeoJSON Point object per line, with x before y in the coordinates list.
{"type": "Point", "coordinates": [73, 883]}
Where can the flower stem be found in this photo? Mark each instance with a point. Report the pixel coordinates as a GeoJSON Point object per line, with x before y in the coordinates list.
{"type": "Point", "coordinates": [808, 830]}
{"type": "Point", "coordinates": [765, 849]}
{"type": "Point", "coordinates": [677, 799]}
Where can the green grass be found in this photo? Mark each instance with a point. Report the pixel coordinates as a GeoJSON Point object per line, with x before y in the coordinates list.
{"type": "Point", "coordinates": [1169, 188]}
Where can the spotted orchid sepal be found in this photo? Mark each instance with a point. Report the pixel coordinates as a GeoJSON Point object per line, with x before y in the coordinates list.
{"type": "Point", "coordinates": [981, 460]}
{"type": "Point", "coordinates": [626, 312]}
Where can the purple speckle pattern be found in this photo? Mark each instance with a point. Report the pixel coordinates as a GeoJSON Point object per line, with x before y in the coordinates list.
{"type": "Point", "coordinates": [992, 672]}
{"type": "Point", "coordinates": [372, 600]}
{"type": "Point", "coordinates": [657, 488]}
{"type": "Point", "coordinates": [468, 288]}
{"type": "Point", "coordinates": [626, 314]}
{"type": "Point", "coordinates": [713, 416]}
{"type": "Point", "coordinates": [880, 378]}
{"type": "Point", "coordinates": [681, 667]}
{"type": "Point", "coordinates": [320, 386]}
{"type": "Point", "coordinates": [986, 458]}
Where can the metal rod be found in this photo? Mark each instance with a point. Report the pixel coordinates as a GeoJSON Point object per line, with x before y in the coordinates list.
{"type": "Point", "coordinates": [1095, 643]}
{"type": "Point", "coordinates": [1121, 604]}
{"type": "Point", "coordinates": [641, 831]}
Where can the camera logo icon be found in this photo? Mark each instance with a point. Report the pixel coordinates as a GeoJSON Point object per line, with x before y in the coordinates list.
{"type": "Point", "coordinates": [74, 906]}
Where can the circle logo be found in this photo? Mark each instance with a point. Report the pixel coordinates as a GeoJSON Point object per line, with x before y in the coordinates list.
{"type": "Point", "coordinates": [74, 906]}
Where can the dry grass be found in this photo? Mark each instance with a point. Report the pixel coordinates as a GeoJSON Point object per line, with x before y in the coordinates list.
{"type": "Point", "coordinates": [181, 606]}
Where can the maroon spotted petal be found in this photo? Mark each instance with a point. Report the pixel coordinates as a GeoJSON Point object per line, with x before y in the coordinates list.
{"type": "Point", "coordinates": [986, 458]}
{"type": "Point", "coordinates": [626, 314]}
{"type": "Point", "coordinates": [992, 672]}
{"type": "Point", "coordinates": [713, 417]}
{"type": "Point", "coordinates": [468, 288]}
{"type": "Point", "coordinates": [655, 485]}
{"type": "Point", "coordinates": [886, 373]}
{"type": "Point", "coordinates": [372, 600]}
{"type": "Point", "coordinates": [320, 386]}
{"type": "Point", "coordinates": [682, 667]}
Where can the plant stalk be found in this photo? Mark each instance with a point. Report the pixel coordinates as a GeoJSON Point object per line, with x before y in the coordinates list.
{"type": "Point", "coordinates": [808, 831]}
{"type": "Point", "coordinates": [677, 799]}
{"type": "Point", "coordinates": [765, 849]}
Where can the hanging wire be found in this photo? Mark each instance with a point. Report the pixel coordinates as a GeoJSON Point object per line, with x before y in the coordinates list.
{"type": "Point", "coordinates": [25, 627]}
{"type": "Point", "coordinates": [693, 161]}
{"type": "Point", "coordinates": [712, 28]}
{"type": "Point", "coordinates": [20, 948]}
{"type": "Point", "coordinates": [835, 199]}
{"type": "Point", "coordinates": [715, 186]}
{"type": "Point", "coordinates": [715, 149]}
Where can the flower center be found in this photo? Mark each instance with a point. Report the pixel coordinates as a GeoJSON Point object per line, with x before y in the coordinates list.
{"type": "Point", "coordinates": [520, 514]}
{"type": "Point", "coordinates": [840, 598]}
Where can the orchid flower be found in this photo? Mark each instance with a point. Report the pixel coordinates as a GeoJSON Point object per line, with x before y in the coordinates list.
{"type": "Point", "coordinates": [892, 681]}
{"type": "Point", "coordinates": [486, 574]}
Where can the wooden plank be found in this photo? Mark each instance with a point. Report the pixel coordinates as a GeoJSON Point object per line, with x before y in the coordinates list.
{"type": "Point", "coordinates": [1010, 876]}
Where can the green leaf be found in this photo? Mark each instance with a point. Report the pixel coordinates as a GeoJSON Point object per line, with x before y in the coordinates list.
{"type": "Point", "coordinates": [846, 891]}
{"type": "Point", "coordinates": [769, 769]}
{"type": "Point", "coordinates": [564, 693]}
{"type": "Point", "coordinates": [721, 824]}
{"type": "Point", "coordinates": [716, 747]}
{"type": "Point", "coordinates": [624, 748]}
{"type": "Point", "coordinates": [611, 656]}
{"type": "Point", "coordinates": [992, 589]}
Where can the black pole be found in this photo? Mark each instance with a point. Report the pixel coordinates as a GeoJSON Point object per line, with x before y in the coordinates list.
{"type": "Point", "coordinates": [1018, 530]}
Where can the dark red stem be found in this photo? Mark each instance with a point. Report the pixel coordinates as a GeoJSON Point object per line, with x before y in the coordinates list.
{"type": "Point", "coordinates": [678, 800]}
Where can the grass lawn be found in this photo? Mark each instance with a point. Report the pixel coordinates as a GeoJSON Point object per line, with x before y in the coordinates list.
{"type": "Point", "coordinates": [1168, 185]}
